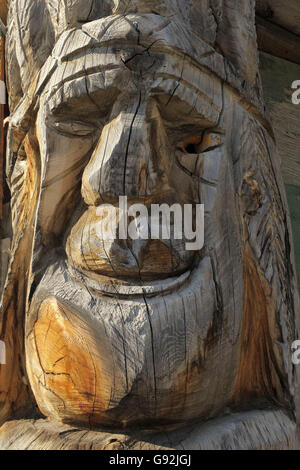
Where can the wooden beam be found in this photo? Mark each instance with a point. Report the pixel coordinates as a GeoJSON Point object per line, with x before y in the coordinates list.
{"type": "Point", "coordinates": [284, 14]}
{"type": "Point", "coordinates": [277, 41]}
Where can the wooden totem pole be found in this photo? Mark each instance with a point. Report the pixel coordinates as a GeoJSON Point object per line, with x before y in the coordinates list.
{"type": "Point", "coordinates": [142, 343]}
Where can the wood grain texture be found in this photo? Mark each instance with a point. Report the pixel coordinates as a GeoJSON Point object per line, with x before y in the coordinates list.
{"type": "Point", "coordinates": [278, 31]}
{"type": "Point", "coordinates": [293, 195]}
{"type": "Point", "coordinates": [271, 430]}
{"type": "Point", "coordinates": [113, 99]}
{"type": "Point", "coordinates": [277, 41]}
{"type": "Point", "coordinates": [3, 11]}
{"type": "Point", "coordinates": [278, 13]}
{"type": "Point", "coordinates": [277, 78]}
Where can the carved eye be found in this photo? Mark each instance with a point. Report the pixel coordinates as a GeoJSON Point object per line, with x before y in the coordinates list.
{"type": "Point", "coordinates": [192, 144]}
{"type": "Point", "coordinates": [75, 128]}
{"type": "Point", "coordinates": [200, 143]}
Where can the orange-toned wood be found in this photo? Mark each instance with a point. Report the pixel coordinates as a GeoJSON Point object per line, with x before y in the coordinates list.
{"type": "Point", "coordinates": [3, 10]}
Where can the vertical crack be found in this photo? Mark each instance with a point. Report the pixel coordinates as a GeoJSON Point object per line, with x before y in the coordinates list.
{"type": "Point", "coordinates": [128, 143]}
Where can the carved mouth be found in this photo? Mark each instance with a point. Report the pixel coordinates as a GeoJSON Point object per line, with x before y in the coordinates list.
{"type": "Point", "coordinates": [120, 288]}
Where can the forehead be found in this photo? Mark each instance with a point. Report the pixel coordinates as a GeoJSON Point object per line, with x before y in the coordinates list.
{"type": "Point", "coordinates": [137, 50]}
{"type": "Point", "coordinates": [116, 53]}
{"type": "Point", "coordinates": [105, 72]}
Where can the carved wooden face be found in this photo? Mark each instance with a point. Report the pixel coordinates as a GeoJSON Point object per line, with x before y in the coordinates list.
{"type": "Point", "coordinates": [142, 122]}
{"type": "Point", "coordinates": [125, 332]}
{"type": "Point", "coordinates": [130, 128]}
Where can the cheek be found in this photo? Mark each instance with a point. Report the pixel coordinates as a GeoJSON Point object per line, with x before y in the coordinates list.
{"type": "Point", "coordinates": [63, 154]}
{"type": "Point", "coordinates": [64, 159]}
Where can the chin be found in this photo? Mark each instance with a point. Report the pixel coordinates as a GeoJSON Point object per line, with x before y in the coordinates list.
{"type": "Point", "coordinates": [112, 352]}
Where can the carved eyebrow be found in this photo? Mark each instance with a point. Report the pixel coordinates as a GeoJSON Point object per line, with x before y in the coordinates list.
{"type": "Point", "coordinates": [173, 92]}
{"type": "Point", "coordinates": [84, 86]}
{"type": "Point", "coordinates": [187, 112]}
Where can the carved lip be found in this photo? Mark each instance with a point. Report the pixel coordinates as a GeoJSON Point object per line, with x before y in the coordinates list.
{"type": "Point", "coordinates": [114, 287]}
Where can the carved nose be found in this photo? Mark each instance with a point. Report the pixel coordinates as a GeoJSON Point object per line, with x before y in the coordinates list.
{"type": "Point", "coordinates": [122, 162]}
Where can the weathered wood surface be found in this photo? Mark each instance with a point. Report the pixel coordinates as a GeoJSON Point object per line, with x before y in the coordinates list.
{"type": "Point", "coordinates": [265, 429]}
{"type": "Point", "coordinates": [285, 15]}
{"type": "Point", "coordinates": [141, 100]}
{"type": "Point", "coordinates": [3, 11]}
{"type": "Point", "coordinates": [277, 78]}
{"type": "Point", "coordinates": [277, 41]}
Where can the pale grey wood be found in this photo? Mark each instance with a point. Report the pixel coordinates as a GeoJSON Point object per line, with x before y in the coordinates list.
{"type": "Point", "coordinates": [256, 430]}
{"type": "Point", "coordinates": [140, 100]}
